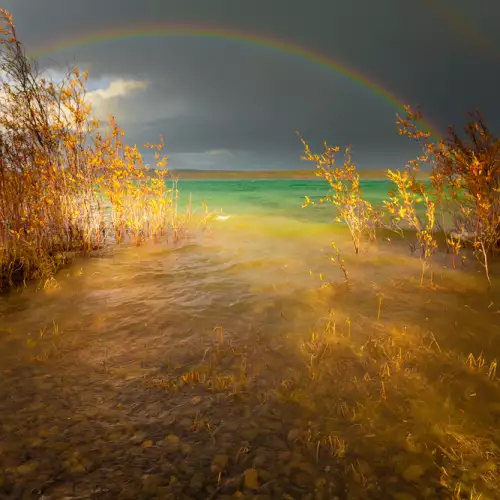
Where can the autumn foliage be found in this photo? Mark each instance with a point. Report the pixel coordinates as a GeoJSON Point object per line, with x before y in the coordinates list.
{"type": "Point", "coordinates": [404, 203]}
{"type": "Point", "coordinates": [345, 193]}
{"type": "Point", "coordinates": [465, 181]}
{"type": "Point", "coordinates": [464, 188]}
{"type": "Point", "coordinates": [65, 185]}
{"type": "Point", "coordinates": [142, 206]}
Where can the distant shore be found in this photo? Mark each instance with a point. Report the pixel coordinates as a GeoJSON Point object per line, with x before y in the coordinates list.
{"type": "Point", "coordinates": [266, 174]}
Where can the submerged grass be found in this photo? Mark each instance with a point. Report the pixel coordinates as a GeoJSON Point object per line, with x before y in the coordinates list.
{"type": "Point", "coordinates": [367, 405]}
{"type": "Point", "coordinates": [361, 408]}
{"type": "Point", "coordinates": [396, 400]}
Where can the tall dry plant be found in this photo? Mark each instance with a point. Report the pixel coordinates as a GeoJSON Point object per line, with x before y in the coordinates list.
{"type": "Point", "coordinates": [47, 203]}
{"type": "Point", "coordinates": [346, 196]}
{"type": "Point", "coordinates": [412, 205]}
{"type": "Point", "coordinates": [404, 206]}
{"type": "Point", "coordinates": [142, 204]}
{"type": "Point", "coordinates": [466, 179]}
{"type": "Point", "coordinates": [64, 185]}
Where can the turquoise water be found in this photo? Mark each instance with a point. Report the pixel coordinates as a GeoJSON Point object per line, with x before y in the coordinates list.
{"type": "Point", "coordinates": [271, 197]}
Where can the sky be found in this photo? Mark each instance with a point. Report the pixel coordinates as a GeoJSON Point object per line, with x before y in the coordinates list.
{"type": "Point", "coordinates": [230, 104]}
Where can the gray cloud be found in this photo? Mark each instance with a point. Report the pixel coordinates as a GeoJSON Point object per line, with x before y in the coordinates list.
{"type": "Point", "coordinates": [208, 94]}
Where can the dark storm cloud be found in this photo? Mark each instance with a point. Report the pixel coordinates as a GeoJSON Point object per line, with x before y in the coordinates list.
{"type": "Point", "coordinates": [231, 104]}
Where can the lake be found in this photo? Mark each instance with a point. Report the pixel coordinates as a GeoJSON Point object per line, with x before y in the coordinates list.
{"type": "Point", "coordinates": [238, 364]}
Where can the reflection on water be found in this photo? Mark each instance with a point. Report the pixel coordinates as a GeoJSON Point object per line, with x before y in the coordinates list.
{"type": "Point", "coordinates": [225, 364]}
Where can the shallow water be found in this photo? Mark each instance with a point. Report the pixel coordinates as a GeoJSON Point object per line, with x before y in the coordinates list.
{"type": "Point", "coordinates": [167, 371]}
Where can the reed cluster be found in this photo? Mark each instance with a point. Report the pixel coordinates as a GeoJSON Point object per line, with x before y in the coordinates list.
{"type": "Point", "coordinates": [68, 184]}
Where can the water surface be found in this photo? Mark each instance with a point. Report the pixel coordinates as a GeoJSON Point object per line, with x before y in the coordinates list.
{"type": "Point", "coordinates": [172, 369]}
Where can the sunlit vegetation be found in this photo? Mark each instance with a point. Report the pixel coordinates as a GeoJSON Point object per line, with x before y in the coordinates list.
{"type": "Point", "coordinates": [118, 397]}
{"type": "Point", "coordinates": [398, 396]}
{"type": "Point", "coordinates": [398, 391]}
{"type": "Point", "coordinates": [403, 206]}
{"type": "Point", "coordinates": [387, 378]}
{"type": "Point", "coordinates": [464, 186]}
{"type": "Point", "coordinates": [143, 205]}
{"type": "Point", "coordinates": [346, 195]}
{"type": "Point", "coordinates": [67, 186]}
{"type": "Point", "coordinates": [362, 406]}
{"type": "Point", "coordinates": [466, 181]}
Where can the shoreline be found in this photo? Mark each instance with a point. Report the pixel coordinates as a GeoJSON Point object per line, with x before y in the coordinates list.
{"type": "Point", "coordinates": [246, 175]}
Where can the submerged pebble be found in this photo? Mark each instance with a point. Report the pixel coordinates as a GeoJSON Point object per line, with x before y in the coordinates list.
{"type": "Point", "coordinates": [251, 479]}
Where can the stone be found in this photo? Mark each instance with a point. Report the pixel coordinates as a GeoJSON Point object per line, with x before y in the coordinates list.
{"type": "Point", "coordinates": [139, 437]}
{"type": "Point", "coordinates": [167, 468]}
{"type": "Point", "coordinates": [172, 443]}
{"type": "Point", "coordinates": [186, 423]}
{"type": "Point", "coordinates": [302, 479]}
{"type": "Point", "coordinates": [197, 481]}
{"type": "Point", "coordinates": [249, 434]}
{"type": "Point", "coordinates": [261, 459]}
{"type": "Point", "coordinates": [306, 467]}
{"type": "Point", "coordinates": [276, 443]}
{"type": "Point", "coordinates": [163, 492]}
{"type": "Point", "coordinates": [264, 475]}
{"type": "Point", "coordinates": [251, 479]}
{"type": "Point", "coordinates": [403, 496]}
{"type": "Point", "coordinates": [27, 468]}
{"type": "Point", "coordinates": [186, 448]}
{"type": "Point", "coordinates": [78, 468]}
{"type": "Point", "coordinates": [413, 472]}
{"type": "Point", "coordinates": [274, 425]}
{"type": "Point", "coordinates": [284, 456]}
{"type": "Point", "coordinates": [219, 463]}
{"type": "Point", "coordinates": [150, 483]}
{"type": "Point", "coordinates": [293, 435]}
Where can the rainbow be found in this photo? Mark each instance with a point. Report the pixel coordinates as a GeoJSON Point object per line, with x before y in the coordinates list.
{"type": "Point", "coordinates": [203, 31]}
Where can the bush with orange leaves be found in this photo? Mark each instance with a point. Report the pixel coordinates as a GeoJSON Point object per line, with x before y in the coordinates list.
{"type": "Point", "coordinates": [464, 186]}
{"type": "Point", "coordinates": [403, 205]}
{"type": "Point", "coordinates": [466, 181]}
{"type": "Point", "coordinates": [142, 204]}
{"type": "Point", "coordinates": [57, 172]}
{"type": "Point", "coordinates": [345, 193]}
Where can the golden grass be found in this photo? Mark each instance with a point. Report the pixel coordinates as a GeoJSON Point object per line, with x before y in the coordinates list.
{"type": "Point", "coordinates": [222, 368]}
{"type": "Point", "coordinates": [463, 188]}
{"type": "Point", "coordinates": [345, 195]}
{"type": "Point", "coordinates": [383, 393]}
{"type": "Point", "coordinates": [66, 188]}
